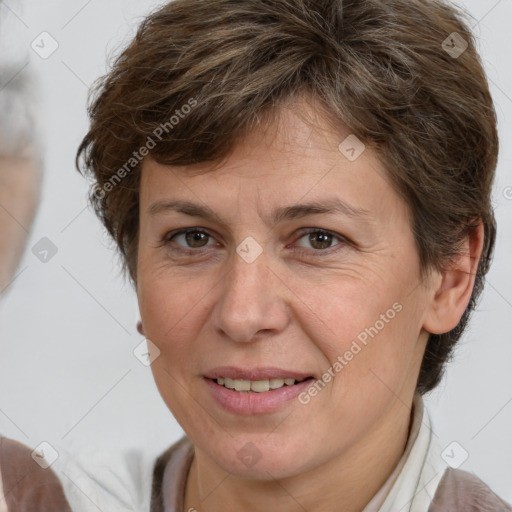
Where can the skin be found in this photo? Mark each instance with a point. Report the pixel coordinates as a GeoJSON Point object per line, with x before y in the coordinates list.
{"type": "Point", "coordinates": [291, 309]}
{"type": "Point", "coordinates": [20, 181]}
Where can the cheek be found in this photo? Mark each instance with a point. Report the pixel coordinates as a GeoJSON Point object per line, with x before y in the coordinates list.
{"type": "Point", "coordinates": [347, 312]}
{"type": "Point", "coordinates": [386, 358]}
{"type": "Point", "coordinates": [169, 303]}
{"type": "Point", "coordinates": [369, 336]}
{"type": "Point", "coordinates": [171, 312]}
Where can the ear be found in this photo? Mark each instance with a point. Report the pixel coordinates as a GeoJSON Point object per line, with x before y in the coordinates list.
{"type": "Point", "coordinates": [454, 287]}
{"type": "Point", "coordinates": [140, 329]}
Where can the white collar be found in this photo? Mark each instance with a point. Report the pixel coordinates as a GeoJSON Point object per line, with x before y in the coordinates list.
{"type": "Point", "coordinates": [414, 481]}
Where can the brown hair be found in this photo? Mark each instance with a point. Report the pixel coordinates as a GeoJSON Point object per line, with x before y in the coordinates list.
{"type": "Point", "coordinates": [380, 66]}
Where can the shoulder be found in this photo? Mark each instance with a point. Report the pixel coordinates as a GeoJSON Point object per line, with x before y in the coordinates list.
{"type": "Point", "coordinates": [462, 491]}
{"type": "Point", "coordinates": [26, 485]}
{"type": "Point", "coordinates": [124, 481]}
{"type": "Point", "coordinates": [106, 479]}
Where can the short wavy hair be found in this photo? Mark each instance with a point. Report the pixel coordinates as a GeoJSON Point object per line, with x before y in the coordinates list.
{"type": "Point", "coordinates": [403, 75]}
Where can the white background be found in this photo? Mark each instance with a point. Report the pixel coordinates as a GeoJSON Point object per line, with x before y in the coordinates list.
{"type": "Point", "coordinates": [67, 327]}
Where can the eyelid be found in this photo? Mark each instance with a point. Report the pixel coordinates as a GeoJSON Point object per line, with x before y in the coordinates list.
{"type": "Point", "coordinates": [307, 231]}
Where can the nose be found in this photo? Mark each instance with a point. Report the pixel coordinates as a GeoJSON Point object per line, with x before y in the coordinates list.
{"type": "Point", "coordinates": [252, 302]}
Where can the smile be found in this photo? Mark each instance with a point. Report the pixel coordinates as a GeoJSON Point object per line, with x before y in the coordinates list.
{"type": "Point", "coordinates": [256, 386]}
{"type": "Point", "coordinates": [248, 397]}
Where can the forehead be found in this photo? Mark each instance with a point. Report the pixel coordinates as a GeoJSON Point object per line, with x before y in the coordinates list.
{"type": "Point", "coordinates": [299, 156]}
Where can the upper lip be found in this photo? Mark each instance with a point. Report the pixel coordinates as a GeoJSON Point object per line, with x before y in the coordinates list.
{"type": "Point", "coordinates": [263, 373]}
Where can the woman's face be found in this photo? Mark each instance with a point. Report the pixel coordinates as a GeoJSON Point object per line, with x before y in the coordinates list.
{"type": "Point", "coordinates": [264, 287]}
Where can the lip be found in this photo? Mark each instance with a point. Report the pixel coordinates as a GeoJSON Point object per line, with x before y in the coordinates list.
{"type": "Point", "coordinates": [249, 403]}
{"type": "Point", "coordinates": [263, 373]}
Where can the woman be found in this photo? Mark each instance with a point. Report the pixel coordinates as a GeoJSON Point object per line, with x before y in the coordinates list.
{"type": "Point", "coordinates": [300, 191]}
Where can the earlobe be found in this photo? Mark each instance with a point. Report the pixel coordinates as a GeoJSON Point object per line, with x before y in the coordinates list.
{"type": "Point", "coordinates": [452, 295]}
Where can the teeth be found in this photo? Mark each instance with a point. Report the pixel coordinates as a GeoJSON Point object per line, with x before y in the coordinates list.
{"type": "Point", "coordinates": [260, 386]}
{"type": "Point", "coordinates": [257, 386]}
{"type": "Point", "coordinates": [242, 385]}
{"type": "Point", "coordinates": [276, 383]}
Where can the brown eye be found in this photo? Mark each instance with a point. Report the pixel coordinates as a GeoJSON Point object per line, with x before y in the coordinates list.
{"type": "Point", "coordinates": [196, 238]}
{"type": "Point", "coordinates": [320, 241]}
{"type": "Point", "coordinates": [188, 239]}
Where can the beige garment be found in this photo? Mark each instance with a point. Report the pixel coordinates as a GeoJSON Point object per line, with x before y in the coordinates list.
{"type": "Point", "coordinates": [3, 501]}
{"type": "Point", "coordinates": [25, 486]}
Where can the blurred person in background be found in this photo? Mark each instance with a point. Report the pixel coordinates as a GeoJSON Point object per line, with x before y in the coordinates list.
{"type": "Point", "coordinates": [25, 486]}
{"type": "Point", "coordinates": [20, 172]}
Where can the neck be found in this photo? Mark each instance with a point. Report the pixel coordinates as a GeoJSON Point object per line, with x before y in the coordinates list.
{"type": "Point", "coordinates": [346, 482]}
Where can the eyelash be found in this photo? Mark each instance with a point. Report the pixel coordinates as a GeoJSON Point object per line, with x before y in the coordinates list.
{"type": "Point", "coordinates": [321, 252]}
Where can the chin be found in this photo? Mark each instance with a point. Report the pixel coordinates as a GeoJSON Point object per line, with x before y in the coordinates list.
{"type": "Point", "coordinates": [259, 457]}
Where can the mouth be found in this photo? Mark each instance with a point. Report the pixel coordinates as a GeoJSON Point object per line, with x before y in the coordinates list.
{"type": "Point", "coordinates": [266, 392]}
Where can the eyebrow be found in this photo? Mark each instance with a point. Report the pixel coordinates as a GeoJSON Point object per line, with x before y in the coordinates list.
{"type": "Point", "coordinates": [295, 211]}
